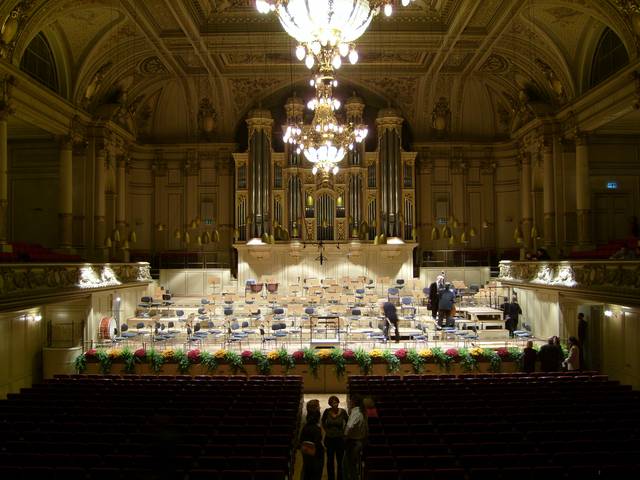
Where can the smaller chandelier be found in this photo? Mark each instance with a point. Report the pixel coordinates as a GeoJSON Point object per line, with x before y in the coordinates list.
{"type": "Point", "coordinates": [328, 26]}
{"type": "Point", "coordinates": [326, 141]}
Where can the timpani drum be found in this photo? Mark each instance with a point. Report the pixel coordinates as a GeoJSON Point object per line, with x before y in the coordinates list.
{"type": "Point", "coordinates": [107, 329]}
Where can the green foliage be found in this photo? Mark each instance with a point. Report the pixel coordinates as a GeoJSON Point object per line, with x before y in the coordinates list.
{"type": "Point", "coordinates": [363, 359]}
{"type": "Point", "coordinates": [208, 361]}
{"type": "Point", "coordinates": [393, 362]}
{"type": "Point", "coordinates": [105, 361]}
{"type": "Point", "coordinates": [262, 361]}
{"type": "Point", "coordinates": [515, 354]}
{"type": "Point", "coordinates": [80, 363]}
{"type": "Point", "coordinates": [440, 358]}
{"type": "Point", "coordinates": [339, 361]}
{"type": "Point", "coordinates": [286, 359]}
{"type": "Point", "coordinates": [235, 361]}
{"type": "Point", "coordinates": [495, 362]}
{"type": "Point", "coordinates": [156, 360]}
{"type": "Point", "coordinates": [130, 360]}
{"type": "Point", "coordinates": [182, 360]}
{"type": "Point", "coordinates": [313, 360]}
{"type": "Point", "coordinates": [416, 360]}
{"type": "Point", "coordinates": [467, 361]}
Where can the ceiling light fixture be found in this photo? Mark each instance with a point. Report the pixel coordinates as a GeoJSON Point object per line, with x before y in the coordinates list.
{"type": "Point", "coordinates": [327, 26]}
{"type": "Point", "coordinates": [325, 141]}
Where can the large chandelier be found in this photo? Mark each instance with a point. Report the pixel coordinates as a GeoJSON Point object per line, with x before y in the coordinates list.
{"type": "Point", "coordinates": [326, 141]}
{"type": "Point", "coordinates": [329, 26]}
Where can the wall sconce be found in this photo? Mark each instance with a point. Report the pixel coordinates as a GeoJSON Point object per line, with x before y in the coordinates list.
{"type": "Point", "coordinates": [160, 227]}
{"type": "Point", "coordinates": [608, 313]}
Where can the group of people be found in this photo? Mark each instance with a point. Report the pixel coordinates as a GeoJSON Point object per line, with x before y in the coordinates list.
{"type": "Point", "coordinates": [551, 356]}
{"type": "Point", "coordinates": [441, 301]}
{"type": "Point", "coordinates": [344, 436]}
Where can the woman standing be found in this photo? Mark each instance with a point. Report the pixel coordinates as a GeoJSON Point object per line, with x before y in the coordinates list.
{"type": "Point", "coordinates": [311, 446]}
{"type": "Point", "coordinates": [334, 419]}
{"type": "Point", "coordinates": [572, 362]}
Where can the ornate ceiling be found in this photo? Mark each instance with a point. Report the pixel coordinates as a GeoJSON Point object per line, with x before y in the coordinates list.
{"type": "Point", "coordinates": [160, 59]}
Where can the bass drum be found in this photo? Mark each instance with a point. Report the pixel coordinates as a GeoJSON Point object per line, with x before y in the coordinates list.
{"type": "Point", "coordinates": [107, 329]}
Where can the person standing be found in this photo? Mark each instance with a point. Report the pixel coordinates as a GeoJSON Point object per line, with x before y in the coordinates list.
{"type": "Point", "coordinates": [572, 362]}
{"type": "Point", "coordinates": [312, 448]}
{"type": "Point", "coordinates": [529, 356]}
{"type": "Point", "coordinates": [550, 357]}
{"type": "Point", "coordinates": [391, 314]}
{"type": "Point", "coordinates": [433, 300]}
{"type": "Point", "coordinates": [355, 434]}
{"type": "Point", "coordinates": [445, 305]}
{"type": "Point", "coordinates": [334, 420]}
{"type": "Point", "coordinates": [440, 280]}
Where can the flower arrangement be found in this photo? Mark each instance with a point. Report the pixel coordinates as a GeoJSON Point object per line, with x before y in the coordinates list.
{"type": "Point", "coordinates": [340, 359]}
{"type": "Point", "coordinates": [469, 359]}
{"type": "Point", "coordinates": [393, 362]}
{"type": "Point", "coordinates": [363, 359]}
{"type": "Point", "coordinates": [312, 358]}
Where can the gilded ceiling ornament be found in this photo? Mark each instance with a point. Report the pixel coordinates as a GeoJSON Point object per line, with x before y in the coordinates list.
{"type": "Point", "coordinates": [495, 64]}
{"type": "Point", "coordinates": [631, 8]}
{"type": "Point", "coordinates": [554, 82]}
{"type": "Point", "coordinates": [152, 66]}
{"type": "Point", "coordinates": [441, 117]}
{"type": "Point", "coordinates": [207, 117]}
{"type": "Point", "coordinates": [11, 27]}
{"type": "Point", "coordinates": [95, 83]}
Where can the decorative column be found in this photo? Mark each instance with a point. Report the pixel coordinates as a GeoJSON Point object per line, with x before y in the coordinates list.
{"type": "Point", "coordinates": [425, 222]}
{"type": "Point", "coordinates": [100, 202]}
{"type": "Point", "coordinates": [121, 205]}
{"type": "Point", "coordinates": [260, 125]}
{"type": "Point", "coordinates": [6, 84]}
{"type": "Point", "coordinates": [389, 123]}
{"type": "Point", "coordinates": [458, 194]}
{"type": "Point", "coordinates": [548, 200]}
{"type": "Point", "coordinates": [487, 173]}
{"type": "Point", "coordinates": [354, 107]}
{"type": "Point", "coordinates": [583, 191]}
{"type": "Point", "coordinates": [65, 192]}
{"type": "Point", "coordinates": [525, 198]}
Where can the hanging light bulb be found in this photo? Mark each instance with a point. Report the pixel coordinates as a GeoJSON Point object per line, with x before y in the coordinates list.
{"type": "Point", "coordinates": [309, 61]}
{"type": "Point", "coordinates": [343, 49]}
{"type": "Point", "coordinates": [405, 2]}
{"type": "Point", "coordinates": [388, 9]}
{"type": "Point", "coordinates": [300, 52]}
{"type": "Point", "coordinates": [336, 62]}
{"type": "Point", "coordinates": [353, 56]}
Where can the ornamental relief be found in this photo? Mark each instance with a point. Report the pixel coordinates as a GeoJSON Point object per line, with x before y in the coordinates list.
{"type": "Point", "coordinates": [602, 276]}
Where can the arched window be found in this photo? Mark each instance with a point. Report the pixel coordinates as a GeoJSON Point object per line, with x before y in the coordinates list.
{"type": "Point", "coordinates": [610, 57]}
{"type": "Point", "coordinates": [39, 63]}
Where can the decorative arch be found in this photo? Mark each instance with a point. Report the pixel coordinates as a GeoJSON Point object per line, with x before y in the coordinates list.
{"type": "Point", "coordinates": [610, 56]}
{"type": "Point", "coordinates": [39, 62]}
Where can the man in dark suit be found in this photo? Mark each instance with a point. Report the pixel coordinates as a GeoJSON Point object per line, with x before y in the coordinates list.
{"type": "Point", "coordinates": [550, 357]}
{"type": "Point", "coordinates": [391, 314]}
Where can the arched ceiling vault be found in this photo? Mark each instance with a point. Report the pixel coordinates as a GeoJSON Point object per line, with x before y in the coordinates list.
{"type": "Point", "coordinates": [474, 55]}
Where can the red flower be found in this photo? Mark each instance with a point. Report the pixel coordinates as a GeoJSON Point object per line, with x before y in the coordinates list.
{"type": "Point", "coordinates": [193, 355]}
{"type": "Point", "coordinates": [298, 355]}
{"type": "Point", "coordinates": [140, 353]}
{"type": "Point", "coordinates": [401, 353]}
{"type": "Point", "coordinates": [348, 354]}
{"type": "Point", "coordinates": [247, 354]}
{"type": "Point", "coordinates": [503, 353]}
{"type": "Point", "coordinates": [91, 352]}
{"type": "Point", "coordinates": [453, 353]}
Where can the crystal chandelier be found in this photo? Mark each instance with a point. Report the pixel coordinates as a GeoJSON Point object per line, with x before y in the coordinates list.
{"type": "Point", "coordinates": [325, 141]}
{"type": "Point", "coordinates": [328, 26]}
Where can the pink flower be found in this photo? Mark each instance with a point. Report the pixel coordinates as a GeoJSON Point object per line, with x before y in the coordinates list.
{"type": "Point", "coordinates": [247, 354]}
{"type": "Point", "coordinates": [193, 355]}
{"type": "Point", "coordinates": [140, 353]}
{"type": "Point", "coordinates": [452, 352]}
{"type": "Point", "coordinates": [348, 354]}
{"type": "Point", "coordinates": [502, 352]}
{"type": "Point", "coordinates": [401, 353]}
{"type": "Point", "coordinates": [298, 355]}
{"type": "Point", "coordinates": [91, 352]}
